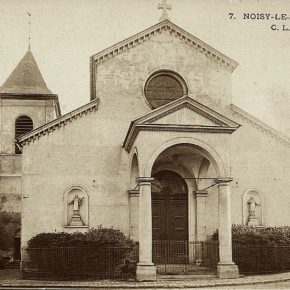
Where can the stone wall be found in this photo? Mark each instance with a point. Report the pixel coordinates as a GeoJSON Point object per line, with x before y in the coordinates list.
{"type": "Point", "coordinates": [260, 162]}
{"type": "Point", "coordinates": [41, 112]}
{"type": "Point", "coordinates": [120, 79]}
{"type": "Point", "coordinates": [88, 153]}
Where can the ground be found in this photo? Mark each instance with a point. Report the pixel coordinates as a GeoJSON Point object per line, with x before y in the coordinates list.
{"type": "Point", "coordinates": [9, 278]}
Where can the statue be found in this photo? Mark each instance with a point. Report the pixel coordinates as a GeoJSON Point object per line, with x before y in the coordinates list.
{"type": "Point", "coordinates": [253, 220]}
{"type": "Point", "coordinates": [76, 218]}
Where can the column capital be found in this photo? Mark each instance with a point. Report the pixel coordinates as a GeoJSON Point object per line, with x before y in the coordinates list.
{"type": "Point", "coordinates": [200, 193]}
{"type": "Point", "coordinates": [145, 180]}
{"type": "Point", "coordinates": [133, 193]}
{"type": "Point", "coordinates": [223, 181]}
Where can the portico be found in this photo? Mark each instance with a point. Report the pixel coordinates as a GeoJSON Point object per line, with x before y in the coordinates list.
{"type": "Point", "coordinates": [182, 166]}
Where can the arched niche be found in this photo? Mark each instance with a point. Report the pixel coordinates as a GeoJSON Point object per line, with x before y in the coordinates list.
{"type": "Point", "coordinates": [253, 207]}
{"type": "Point", "coordinates": [76, 207]}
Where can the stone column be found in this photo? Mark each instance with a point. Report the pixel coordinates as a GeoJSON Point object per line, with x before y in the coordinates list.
{"type": "Point", "coordinates": [226, 267]}
{"type": "Point", "coordinates": [146, 271]}
{"type": "Point", "coordinates": [134, 214]}
{"type": "Point", "coordinates": [200, 220]}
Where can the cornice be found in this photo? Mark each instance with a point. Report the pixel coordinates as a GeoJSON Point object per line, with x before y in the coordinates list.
{"type": "Point", "coordinates": [259, 125]}
{"type": "Point", "coordinates": [136, 128]}
{"type": "Point", "coordinates": [178, 32]}
{"type": "Point", "coordinates": [23, 96]}
{"type": "Point", "coordinates": [58, 123]}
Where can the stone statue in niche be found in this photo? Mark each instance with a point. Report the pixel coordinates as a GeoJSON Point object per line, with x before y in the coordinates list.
{"type": "Point", "coordinates": [253, 220]}
{"type": "Point", "coordinates": [76, 218]}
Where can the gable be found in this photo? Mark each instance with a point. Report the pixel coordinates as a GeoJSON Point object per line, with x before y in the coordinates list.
{"type": "Point", "coordinates": [185, 116]}
{"type": "Point", "coordinates": [186, 107]}
{"type": "Point", "coordinates": [164, 31]}
{"type": "Point", "coordinates": [174, 30]}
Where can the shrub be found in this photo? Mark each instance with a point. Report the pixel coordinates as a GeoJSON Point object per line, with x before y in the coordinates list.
{"type": "Point", "coordinates": [259, 250]}
{"type": "Point", "coordinates": [263, 236]}
{"type": "Point", "coordinates": [99, 253]}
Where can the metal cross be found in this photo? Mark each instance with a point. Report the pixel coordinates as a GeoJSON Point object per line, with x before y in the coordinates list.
{"type": "Point", "coordinates": [164, 6]}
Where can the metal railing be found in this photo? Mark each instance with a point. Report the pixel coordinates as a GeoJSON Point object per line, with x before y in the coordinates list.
{"type": "Point", "coordinates": [261, 259]}
{"type": "Point", "coordinates": [79, 263]}
{"type": "Point", "coordinates": [184, 257]}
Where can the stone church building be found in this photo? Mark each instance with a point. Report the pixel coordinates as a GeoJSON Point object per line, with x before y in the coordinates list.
{"type": "Point", "coordinates": [159, 152]}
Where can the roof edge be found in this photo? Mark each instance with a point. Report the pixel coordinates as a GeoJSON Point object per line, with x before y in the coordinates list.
{"type": "Point", "coordinates": [57, 123]}
{"type": "Point", "coordinates": [134, 130]}
{"type": "Point", "coordinates": [179, 32]}
{"type": "Point", "coordinates": [225, 125]}
{"type": "Point", "coordinates": [262, 126]}
{"type": "Point", "coordinates": [186, 98]}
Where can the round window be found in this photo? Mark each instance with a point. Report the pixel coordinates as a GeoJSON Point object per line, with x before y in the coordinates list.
{"type": "Point", "coordinates": [164, 87]}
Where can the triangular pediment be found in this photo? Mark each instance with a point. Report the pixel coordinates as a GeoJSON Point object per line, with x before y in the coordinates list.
{"type": "Point", "coordinates": [184, 114]}
{"type": "Point", "coordinates": [159, 28]}
{"type": "Point", "coordinates": [166, 29]}
{"type": "Point", "coordinates": [188, 112]}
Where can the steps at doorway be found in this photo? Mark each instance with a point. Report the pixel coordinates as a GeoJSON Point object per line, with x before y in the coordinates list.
{"type": "Point", "coordinates": [13, 265]}
{"type": "Point", "coordinates": [186, 277]}
{"type": "Point", "coordinates": [179, 269]}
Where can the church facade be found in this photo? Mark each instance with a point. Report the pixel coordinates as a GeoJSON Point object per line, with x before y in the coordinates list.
{"type": "Point", "coordinates": [159, 152]}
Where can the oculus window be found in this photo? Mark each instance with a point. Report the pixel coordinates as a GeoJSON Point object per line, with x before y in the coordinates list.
{"type": "Point", "coordinates": [164, 87]}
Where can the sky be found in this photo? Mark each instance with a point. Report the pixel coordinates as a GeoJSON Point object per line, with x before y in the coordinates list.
{"type": "Point", "coordinates": [65, 33]}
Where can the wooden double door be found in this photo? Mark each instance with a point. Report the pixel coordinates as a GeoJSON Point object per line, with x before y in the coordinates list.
{"type": "Point", "coordinates": [169, 218]}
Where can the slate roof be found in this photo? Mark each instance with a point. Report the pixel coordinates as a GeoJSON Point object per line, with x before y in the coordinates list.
{"type": "Point", "coordinates": [26, 79]}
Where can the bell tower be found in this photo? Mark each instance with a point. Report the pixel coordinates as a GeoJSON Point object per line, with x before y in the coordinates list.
{"type": "Point", "coordinates": [25, 104]}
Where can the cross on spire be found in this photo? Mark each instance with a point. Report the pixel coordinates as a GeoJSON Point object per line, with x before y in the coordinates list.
{"type": "Point", "coordinates": [29, 31]}
{"type": "Point", "coordinates": [164, 6]}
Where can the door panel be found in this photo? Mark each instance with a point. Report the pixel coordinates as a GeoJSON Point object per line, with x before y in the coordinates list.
{"type": "Point", "coordinates": [169, 218]}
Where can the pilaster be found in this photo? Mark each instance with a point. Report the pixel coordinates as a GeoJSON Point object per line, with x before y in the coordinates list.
{"type": "Point", "coordinates": [200, 220]}
{"type": "Point", "coordinates": [134, 214]}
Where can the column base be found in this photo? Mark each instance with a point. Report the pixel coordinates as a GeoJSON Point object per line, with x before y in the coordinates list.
{"type": "Point", "coordinates": [146, 272]}
{"type": "Point", "coordinates": [227, 271]}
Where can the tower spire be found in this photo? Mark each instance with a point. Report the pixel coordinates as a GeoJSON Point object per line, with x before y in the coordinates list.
{"type": "Point", "coordinates": [29, 30]}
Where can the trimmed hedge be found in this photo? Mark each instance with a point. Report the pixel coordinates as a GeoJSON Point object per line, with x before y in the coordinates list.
{"type": "Point", "coordinates": [269, 236]}
{"type": "Point", "coordinates": [260, 250]}
{"type": "Point", "coordinates": [100, 253]}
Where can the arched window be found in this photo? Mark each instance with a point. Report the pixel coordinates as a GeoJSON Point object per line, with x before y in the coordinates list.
{"type": "Point", "coordinates": [163, 87]}
{"type": "Point", "coordinates": [23, 124]}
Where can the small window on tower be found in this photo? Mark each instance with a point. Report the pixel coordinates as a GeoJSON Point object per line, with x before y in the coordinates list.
{"type": "Point", "coordinates": [23, 124]}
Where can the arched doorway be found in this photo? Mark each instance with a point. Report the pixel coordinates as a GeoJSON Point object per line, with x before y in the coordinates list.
{"type": "Point", "coordinates": [169, 207]}
{"type": "Point", "coordinates": [179, 215]}
{"type": "Point", "coordinates": [169, 218]}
